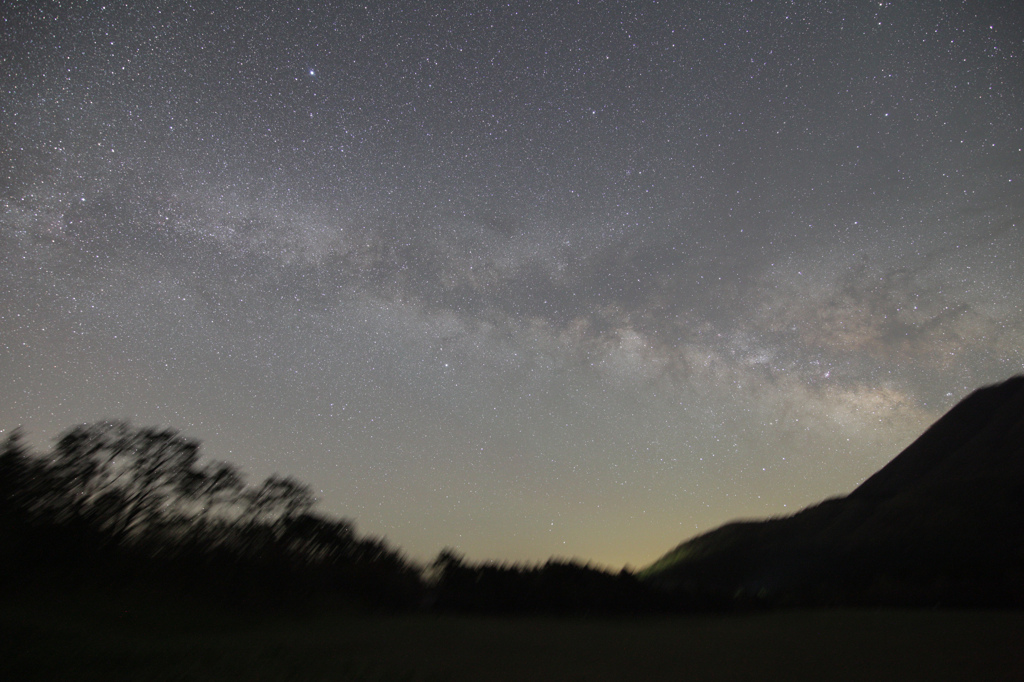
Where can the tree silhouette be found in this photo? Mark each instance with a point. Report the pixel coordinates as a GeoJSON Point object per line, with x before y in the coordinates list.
{"type": "Point", "coordinates": [16, 472]}
{"type": "Point", "coordinates": [212, 489]}
{"type": "Point", "coordinates": [114, 505]}
{"type": "Point", "coordinates": [278, 500]}
{"type": "Point", "coordinates": [123, 479]}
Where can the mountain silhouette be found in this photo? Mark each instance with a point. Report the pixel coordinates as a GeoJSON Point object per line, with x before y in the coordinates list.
{"type": "Point", "coordinates": [941, 524]}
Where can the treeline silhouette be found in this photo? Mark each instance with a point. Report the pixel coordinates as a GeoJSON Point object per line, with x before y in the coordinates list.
{"type": "Point", "coordinates": [553, 587]}
{"type": "Point", "coordinates": [113, 506]}
{"type": "Point", "coordinates": [116, 507]}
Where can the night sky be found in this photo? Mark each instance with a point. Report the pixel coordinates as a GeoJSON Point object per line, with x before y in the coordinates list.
{"type": "Point", "coordinates": [521, 279]}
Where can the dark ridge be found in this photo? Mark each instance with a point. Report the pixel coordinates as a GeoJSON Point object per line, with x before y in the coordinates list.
{"type": "Point", "coordinates": [941, 524]}
{"type": "Point", "coordinates": [978, 435]}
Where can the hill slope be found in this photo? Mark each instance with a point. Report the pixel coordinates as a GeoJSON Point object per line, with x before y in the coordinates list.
{"type": "Point", "coordinates": [942, 523]}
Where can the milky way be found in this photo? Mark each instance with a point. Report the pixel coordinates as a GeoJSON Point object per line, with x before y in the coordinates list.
{"type": "Point", "coordinates": [522, 280]}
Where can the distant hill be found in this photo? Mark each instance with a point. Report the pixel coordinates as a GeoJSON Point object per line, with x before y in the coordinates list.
{"type": "Point", "coordinates": [941, 524]}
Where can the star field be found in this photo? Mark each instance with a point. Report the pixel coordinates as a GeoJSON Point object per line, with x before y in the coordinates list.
{"type": "Point", "coordinates": [525, 280]}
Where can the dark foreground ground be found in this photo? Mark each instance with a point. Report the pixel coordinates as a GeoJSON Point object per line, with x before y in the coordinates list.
{"type": "Point", "coordinates": [116, 639]}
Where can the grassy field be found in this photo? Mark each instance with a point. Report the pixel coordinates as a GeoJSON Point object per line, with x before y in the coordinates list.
{"type": "Point", "coordinates": [93, 639]}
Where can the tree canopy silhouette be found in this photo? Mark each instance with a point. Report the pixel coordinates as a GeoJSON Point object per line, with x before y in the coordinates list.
{"type": "Point", "coordinates": [112, 505]}
{"type": "Point", "coordinates": [139, 499]}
